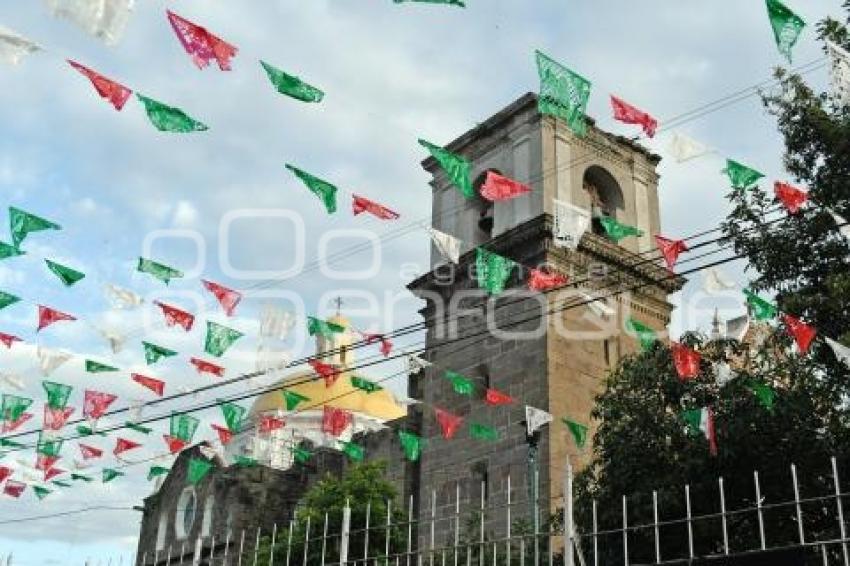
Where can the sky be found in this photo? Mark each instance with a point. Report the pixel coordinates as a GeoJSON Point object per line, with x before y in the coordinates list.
{"type": "Point", "coordinates": [392, 73]}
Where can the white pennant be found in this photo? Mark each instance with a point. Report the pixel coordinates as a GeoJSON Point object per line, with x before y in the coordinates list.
{"type": "Point", "coordinates": [570, 224]}
{"type": "Point", "coordinates": [684, 148]}
{"type": "Point", "coordinates": [270, 359]}
{"type": "Point", "coordinates": [597, 305]}
{"type": "Point", "coordinates": [208, 452]}
{"type": "Point", "coordinates": [715, 281]}
{"type": "Point", "coordinates": [114, 339]}
{"type": "Point", "coordinates": [13, 380]}
{"type": "Point", "coordinates": [405, 401]}
{"type": "Point", "coordinates": [14, 47]}
{"type": "Point", "coordinates": [104, 19]}
{"type": "Point", "coordinates": [536, 418]}
{"type": "Point", "coordinates": [50, 360]}
{"type": "Point", "coordinates": [843, 227]}
{"type": "Point", "coordinates": [447, 245]}
{"type": "Point", "coordinates": [275, 322]}
{"type": "Point", "coordinates": [841, 351]}
{"type": "Point", "coordinates": [121, 298]}
{"type": "Point", "coordinates": [415, 364]}
{"type": "Point", "coordinates": [137, 406]}
{"type": "Point", "coordinates": [840, 60]}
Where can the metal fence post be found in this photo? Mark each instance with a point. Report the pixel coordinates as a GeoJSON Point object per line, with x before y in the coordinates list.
{"type": "Point", "coordinates": [196, 558]}
{"type": "Point", "coordinates": [595, 536]}
{"type": "Point", "coordinates": [481, 534]}
{"type": "Point", "coordinates": [625, 533]}
{"type": "Point", "coordinates": [655, 527]}
{"type": "Point", "coordinates": [840, 505]}
{"type": "Point", "coordinates": [306, 539]}
{"type": "Point", "coordinates": [569, 557]}
{"type": "Point", "coordinates": [457, 521]}
{"type": "Point", "coordinates": [723, 517]}
{"type": "Point", "coordinates": [324, 539]}
{"type": "Point", "coordinates": [271, 548]}
{"type": "Point", "coordinates": [690, 526]}
{"type": "Point", "coordinates": [168, 558]}
{"type": "Point", "coordinates": [241, 546]}
{"type": "Point", "coordinates": [433, 520]}
{"type": "Point", "coordinates": [344, 531]}
{"type": "Point", "coordinates": [797, 503]}
{"type": "Point", "coordinates": [144, 557]}
{"type": "Point", "coordinates": [257, 546]}
{"type": "Point", "coordinates": [760, 511]}
{"type": "Point", "coordinates": [389, 527]}
{"type": "Point", "coordinates": [409, 529]}
{"type": "Point", "coordinates": [289, 541]}
{"type": "Point", "coordinates": [507, 525]}
{"type": "Point", "coordinates": [366, 534]}
{"type": "Point", "coordinates": [226, 548]}
{"type": "Point", "coordinates": [212, 548]}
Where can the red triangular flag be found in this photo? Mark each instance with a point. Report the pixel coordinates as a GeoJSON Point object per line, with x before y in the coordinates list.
{"type": "Point", "coordinates": [329, 372]}
{"type": "Point", "coordinates": [227, 298]}
{"type": "Point", "coordinates": [53, 472]}
{"type": "Point", "coordinates": [14, 488]}
{"type": "Point", "coordinates": [792, 197]}
{"type": "Point", "coordinates": [224, 434]}
{"type": "Point", "coordinates": [55, 419]}
{"type": "Point", "coordinates": [90, 452]}
{"type": "Point", "coordinates": [123, 445]}
{"type": "Point", "coordinates": [47, 316]}
{"type": "Point", "coordinates": [686, 361]}
{"type": "Point", "coordinates": [448, 422]}
{"type": "Point", "coordinates": [45, 462]}
{"type": "Point", "coordinates": [495, 397]}
{"type": "Point", "coordinates": [207, 367]}
{"type": "Point", "coordinates": [175, 444]}
{"type": "Point", "coordinates": [386, 345]}
{"type": "Point", "coordinates": [8, 339]}
{"type": "Point", "coordinates": [269, 423]}
{"type": "Point", "coordinates": [803, 333]}
{"type": "Point", "coordinates": [116, 93]}
{"type": "Point", "coordinates": [496, 187]}
{"type": "Point", "coordinates": [5, 473]}
{"type": "Point", "coordinates": [361, 204]}
{"type": "Point", "coordinates": [15, 425]}
{"type": "Point", "coordinates": [176, 316]}
{"type": "Point", "coordinates": [628, 114]}
{"type": "Point", "coordinates": [96, 403]}
{"type": "Point", "coordinates": [202, 45]}
{"type": "Point", "coordinates": [154, 385]}
{"type": "Point", "coordinates": [539, 280]}
{"type": "Point", "coordinates": [335, 421]}
{"type": "Point", "coordinates": [670, 249]}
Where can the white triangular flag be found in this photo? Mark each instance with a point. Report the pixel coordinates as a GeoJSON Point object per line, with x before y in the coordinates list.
{"type": "Point", "coordinates": [136, 407]}
{"type": "Point", "coordinates": [715, 281]}
{"type": "Point", "coordinates": [405, 401]}
{"type": "Point", "coordinates": [570, 224]}
{"type": "Point", "coordinates": [684, 148]}
{"type": "Point", "coordinates": [598, 305]}
{"type": "Point", "coordinates": [415, 364]}
{"type": "Point", "coordinates": [49, 360]}
{"type": "Point", "coordinates": [114, 339]}
{"type": "Point", "coordinates": [121, 298]}
{"type": "Point", "coordinates": [841, 351]}
{"type": "Point", "coordinates": [447, 245]}
{"type": "Point", "coordinates": [81, 465]}
{"type": "Point", "coordinates": [270, 359]}
{"type": "Point", "coordinates": [14, 47]}
{"type": "Point", "coordinates": [275, 322]}
{"type": "Point", "coordinates": [536, 418]}
{"type": "Point", "coordinates": [13, 380]}
{"type": "Point", "coordinates": [843, 227]}
{"type": "Point", "coordinates": [104, 19]}
{"type": "Point", "coordinates": [840, 61]}
{"type": "Point", "coordinates": [722, 373]}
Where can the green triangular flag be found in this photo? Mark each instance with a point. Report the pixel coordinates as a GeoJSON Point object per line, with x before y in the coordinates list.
{"type": "Point", "coordinates": [616, 231]}
{"type": "Point", "coordinates": [137, 427]}
{"type": "Point", "coordinates": [563, 93]}
{"type": "Point", "coordinates": [322, 327]}
{"type": "Point", "coordinates": [197, 470]}
{"type": "Point", "coordinates": [169, 119]}
{"type": "Point", "coordinates": [22, 223]}
{"type": "Point", "coordinates": [293, 399]}
{"type": "Point", "coordinates": [741, 176]}
{"type": "Point", "coordinates": [460, 384]}
{"type": "Point", "coordinates": [57, 394]}
{"type": "Point", "coordinates": [233, 415]}
{"type": "Point", "coordinates": [13, 406]}
{"type": "Point", "coordinates": [84, 430]}
{"type": "Point", "coordinates": [158, 270]}
{"type": "Point", "coordinates": [219, 338]}
{"type": "Point", "coordinates": [184, 427]}
{"type": "Point", "coordinates": [411, 444]}
{"type": "Point", "coordinates": [365, 384]}
{"type": "Point", "coordinates": [7, 299]}
{"type": "Point", "coordinates": [301, 455]}
{"type": "Point", "coordinates": [65, 274]}
{"type": "Point", "coordinates": [80, 477]}
{"type": "Point", "coordinates": [579, 432]}
{"type": "Point", "coordinates": [48, 446]}
{"type": "Point", "coordinates": [322, 189]}
{"type": "Point", "coordinates": [645, 335]}
{"type": "Point", "coordinates": [786, 26]}
{"type": "Point", "coordinates": [8, 250]}
{"type": "Point", "coordinates": [6, 443]}
{"type": "Point", "coordinates": [493, 270]}
{"type": "Point", "coordinates": [244, 461]}
{"type": "Point", "coordinates": [291, 85]}
{"type": "Point", "coordinates": [155, 471]}
{"type": "Point", "coordinates": [97, 367]}
{"type": "Point", "coordinates": [483, 432]}
{"type": "Point", "coordinates": [764, 393]}
{"type": "Point", "coordinates": [762, 310]}
{"type": "Point", "coordinates": [457, 169]}
{"type": "Point", "coordinates": [109, 474]}
{"type": "Point", "coordinates": [41, 492]}
{"type": "Point", "coordinates": [61, 483]}
{"type": "Point", "coordinates": [154, 353]}
{"type": "Point", "coordinates": [449, 2]}
{"type": "Point", "coordinates": [354, 451]}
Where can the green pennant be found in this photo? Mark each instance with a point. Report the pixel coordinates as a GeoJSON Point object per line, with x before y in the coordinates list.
{"type": "Point", "coordinates": [493, 270]}
{"type": "Point", "coordinates": [81, 477]}
{"type": "Point", "coordinates": [48, 446]}
{"type": "Point", "coordinates": [324, 328]}
{"type": "Point", "coordinates": [322, 189]}
{"type": "Point", "coordinates": [22, 223]}
{"type": "Point", "coordinates": [7, 443]}
{"type": "Point", "coordinates": [645, 335]}
{"type": "Point", "coordinates": [41, 492]}
{"type": "Point", "coordinates": [65, 274]}
{"type": "Point", "coordinates": [8, 250]}
{"type": "Point", "coordinates": [460, 384]}
{"type": "Point", "coordinates": [292, 86]}
{"type": "Point", "coordinates": [616, 231]}
{"type": "Point", "coordinates": [61, 483]}
{"type": "Point", "coordinates": [293, 399]}
{"type": "Point", "coordinates": [183, 427]}
{"type": "Point", "coordinates": [57, 394]}
{"type": "Point", "coordinates": [13, 406]}
{"type": "Point", "coordinates": [411, 444]}
{"type": "Point", "coordinates": [365, 384]}
{"type": "Point", "coordinates": [741, 176]}
{"type": "Point", "coordinates": [219, 338]}
{"type": "Point", "coordinates": [198, 469]}
{"type": "Point", "coordinates": [158, 270]}
{"type": "Point", "coordinates": [155, 471]}
{"type": "Point", "coordinates": [786, 25]}
{"type": "Point", "coordinates": [109, 474]}
{"type": "Point", "coordinates": [169, 119]}
{"type": "Point", "coordinates": [97, 367]}
{"type": "Point", "coordinates": [244, 461]}
{"type": "Point", "coordinates": [764, 393]}
{"type": "Point", "coordinates": [137, 427]}
{"type": "Point", "coordinates": [457, 169]}
{"type": "Point", "coordinates": [563, 93]}
{"type": "Point", "coordinates": [579, 432]}
{"type": "Point", "coordinates": [233, 415]}
{"type": "Point", "coordinates": [301, 455]}
{"type": "Point", "coordinates": [483, 432]}
{"type": "Point", "coordinates": [762, 309]}
{"type": "Point", "coordinates": [7, 299]}
{"type": "Point", "coordinates": [84, 430]}
{"type": "Point", "coordinates": [354, 451]}
{"type": "Point", "coordinates": [154, 353]}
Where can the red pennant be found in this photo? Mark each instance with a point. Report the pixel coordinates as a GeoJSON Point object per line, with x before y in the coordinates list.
{"type": "Point", "coordinates": [55, 419]}
{"type": "Point", "coordinates": [201, 44]}
{"type": "Point", "coordinates": [628, 114]}
{"type": "Point", "coordinates": [175, 316]}
{"type": "Point", "coordinates": [5, 473]}
{"type": "Point", "coordinates": [495, 397]}
{"type": "Point", "coordinates": [15, 425]}
{"type": "Point", "coordinates": [123, 445]}
{"type": "Point", "coordinates": [496, 187]}
{"type": "Point", "coordinates": [175, 444]}
{"type": "Point", "coordinates": [686, 361]}
{"type": "Point", "coordinates": [14, 488]}
{"type": "Point", "coordinates": [227, 298]}
{"type": "Point", "coordinates": [335, 421]}
{"type": "Point", "coordinates": [154, 385]}
{"type": "Point", "coordinates": [224, 434]}
{"type": "Point", "coordinates": [53, 472]}
{"type": "Point", "coordinates": [329, 372]}
{"type": "Point", "coordinates": [269, 423]}
{"type": "Point", "coordinates": [8, 339]}
{"type": "Point", "coordinates": [207, 367]}
{"type": "Point", "coordinates": [386, 345]}
{"type": "Point", "coordinates": [539, 280]}
{"type": "Point", "coordinates": [803, 333]}
{"type": "Point", "coordinates": [361, 204]}
{"type": "Point", "coordinates": [448, 422]}
{"type": "Point", "coordinates": [45, 462]}
{"type": "Point", "coordinates": [47, 316]}
{"type": "Point", "coordinates": [96, 403]}
{"type": "Point", "coordinates": [90, 452]}
{"type": "Point", "coordinates": [792, 197]}
{"type": "Point", "coordinates": [116, 93]}
{"type": "Point", "coordinates": [670, 249]}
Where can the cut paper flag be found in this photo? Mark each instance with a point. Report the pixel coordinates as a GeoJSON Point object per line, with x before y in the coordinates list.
{"type": "Point", "coordinates": [563, 93]}
{"type": "Point", "coordinates": [244, 461]}
{"type": "Point", "coordinates": [498, 188]}
{"type": "Point", "coordinates": [23, 223]}
{"type": "Point", "coordinates": [227, 298]}
{"type": "Point", "coordinates": [416, 364]}
{"type": "Point", "coordinates": [47, 316]}
{"type": "Point", "coordinates": [644, 334]}
{"type": "Point", "coordinates": [458, 3]}
{"type": "Point", "coordinates": [81, 477]}
{"type": "Point", "coordinates": [449, 423]}
{"type": "Point", "coordinates": [301, 455]}
{"type": "Point", "coordinates": [45, 461]}
{"type": "Point", "coordinates": [123, 445]}
{"type": "Point", "coordinates": [570, 224]}
{"type": "Point", "coordinates": [155, 385]}
{"type": "Point", "coordinates": [224, 435]}
{"type": "Point", "coordinates": [628, 114]}
{"type": "Point", "coordinates": [156, 471]}
{"type": "Point", "coordinates": [7, 299]}
{"type": "Point", "coordinates": [684, 148]}
{"type": "Point", "coordinates": [802, 333]}
{"type": "Point", "coordinates": [269, 424]}
{"type": "Point", "coordinates": [839, 75]}
{"type": "Point", "coordinates": [360, 205]}
{"type": "Point", "coordinates": [458, 170]}
{"type": "Point", "coordinates": [741, 176]}
{"type": "Point", "coordinates": [97, 367]}
{"type": "Point", "coordinates": [535, 419]}
{"type": "Point", "coordinates": [197, 470]}
{"type": "Point", "coordinates": [316, 326]}
{"type": "Point", "coordinates": [5, 473]}
{"type": "Point", "coordinates": [120, 298]}
{"type": "Point", "coordinates": [12, 407]}
{"type": "Point", "coordinates": [319, 187]}
{"type": "Point", "coordinates": [670, 250]}
{"type": "Point", "coordinates": [103, 19]}
{"type": "Point", "coordinates": [14, 47]}
{"type": "Point", "coordinates": [701, 421]}
{"type": "Point", "coordinates": [330, 373]}
{"type": "Point", "coordinates": [841, 351]}
{"type": "Point", "coordinates": [493, 270]}
{"type": "Point", "coordinates": [270, 359]}
{"type": "Point", "coordinates": [200, 44]}
{"type": "Point", "coordinates": [14, 488]}
{"type": "Point", "coordinates": [50, 360]}
{"type": "Point", "coordinates": [90, 452]}
{"type": "Point", "coordinates": [598, 305]}
{"type": "Point", "coordinates": [686, 361]}
{"type": "Point", "coordinates": [496, 398]}
{"type": "Point", "coordinates": [219, 338]}
{"type": "Point", "coordinates": [292, 86]}
{"type": "Point", "coordinates": [840, 222]}
{"type": "Point", "coordinates": [154, 353]}
{"type": "Point", "coordinates": [791, 197]}
{"type": "Point", "coordinates": [616, 231]}
{"type": "Point", "coordinates": [386, 346]}
{"type": "Point", "coordinates": [202, 366]}
{"type": "Point", "coordinates": [293, 399]}
{"type": "Point", "coordinates": [174, 444]}
{"type": "Point", "coordinates": [364, 384]}
{"type": "Point", "coordinates": [109, 474]}
{"type": "Point", "coordinates": [13, 380]}
{"type": "Point", "coordinates": [169, 119]}
{"type": "Point", "coordinates": [447, 245]}
{"type": "Point", "coordinates": [275, 322]}
{"type": "Point", "coordinates": [411, 444]}
{"type": "Point", "coordinates": [335, 421]}
{"type": "Point", "coordinates": [41, 492]}
{"type": "Point", "coordinates": [233, 416]}
{"type": "Point", "coordinates": [57, 394]}
{"type": "Point", "coordinates": [578, 431]}
{"type": "Point", "coordinates": [716, 281]}
{"type": "Point", "coordinates": [760, 308]}
{"type": "Point", "coordinates": [764, 393]}
{"type": "Point", "coordinates": [460, 384]}
{"type": "Point", "coordinates": [540, 280]}
{"type": "Point", "coordinates": [175, 316]}
{"type": "Point", "coordinates": [483, 432]}
{"type": "Point", "coordinates": [8, 339]}
{"type": "Point", "coordinates": [55, 419]}
{"type": "Point", "coordinates": [113, 339]}
{"type": "Point", "coordinates": [183, 426]}
{"type": "Point", "coordinates": [786, 25]}
{"type": "Point", "coordinates": [354, 451]}
{"type": "Point", "coordinates": [8, 250]}
{"type": "Point", "coordinates": [113, 92]}
{"type": "Point", "coordinates": [158, 270]}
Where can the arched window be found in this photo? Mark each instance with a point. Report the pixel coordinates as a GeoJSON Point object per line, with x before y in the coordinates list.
{"type": "Point", "coordinates": [606, 197]}
{"type": "Point", "coordinates": [161, 529]}
{"type": "Point", "coordinates": [184, 515]}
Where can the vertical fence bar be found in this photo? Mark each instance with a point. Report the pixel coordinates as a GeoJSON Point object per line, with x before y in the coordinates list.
{"type": "Point", "coordinates": [241, 546]}
{"type": "Point", "coordinates": [536, 506]}
{"type": "Point", "coordinates": [595, 536]}
{"type": "Point", "coordinates": [257, 546]}
{"type": "Point", "coordinates": [625, 533]}
{"type": "Point", "coordinates": [324, 539]}
{"type": "Point", "coordinates": [760, 511]}
{"type": "Point", "coordinates": [840, 505]}
{"type": "Point", "coordinates": [366, 534]}
{"type": "Point", "coordinates": [306, 540]}
{"type": "Point", "coordinates": [655, 527]}
{"type": "Point", "coordinates": [823, 555]}
{"type": "Point", "coordinates": [569, 557]}
{"type": "Point", "coordinates": [226, 547]}
{"type": "Point", "coordinates": [389, 526]}
{"type": "Point", "coordinates": [797, 503]}
{"type": "Point", "coordinates": [289, 542]}
{"type": "Point", "coordinates": [723, 516]}
{"type": "Point", "coordinates": [144, 557]}
{"type": "Point", "coordinates": [168, 558]}
{"type": "Point", "coordinates": [433, 520]}
{"type": "Point", "coordinates": [457, 522]}
{"type": "Point", "coordinates": [690, 526]}
{"type": "Point", "coordinates": [155, 557]}
{"type": "Point", "coordinates": [507, 525]}
{"type": "Point", "coordinates": [343, 536]}
{"type": "Point", "coordinates": [409, 529]}
{"type": "Point", "coordinates": [212, 548]}
{"type": "Point", "coordinates": [271, 548]}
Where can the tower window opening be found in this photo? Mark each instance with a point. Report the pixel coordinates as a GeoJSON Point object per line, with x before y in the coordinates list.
{"type": "Point", "coordinates": [606, 197]}
{"type": "Point", "coordinates": [484, 207]}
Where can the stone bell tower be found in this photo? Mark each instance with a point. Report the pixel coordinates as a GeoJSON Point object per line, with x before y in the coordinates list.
{"type": "Point", "coordinates": [555, 362]}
